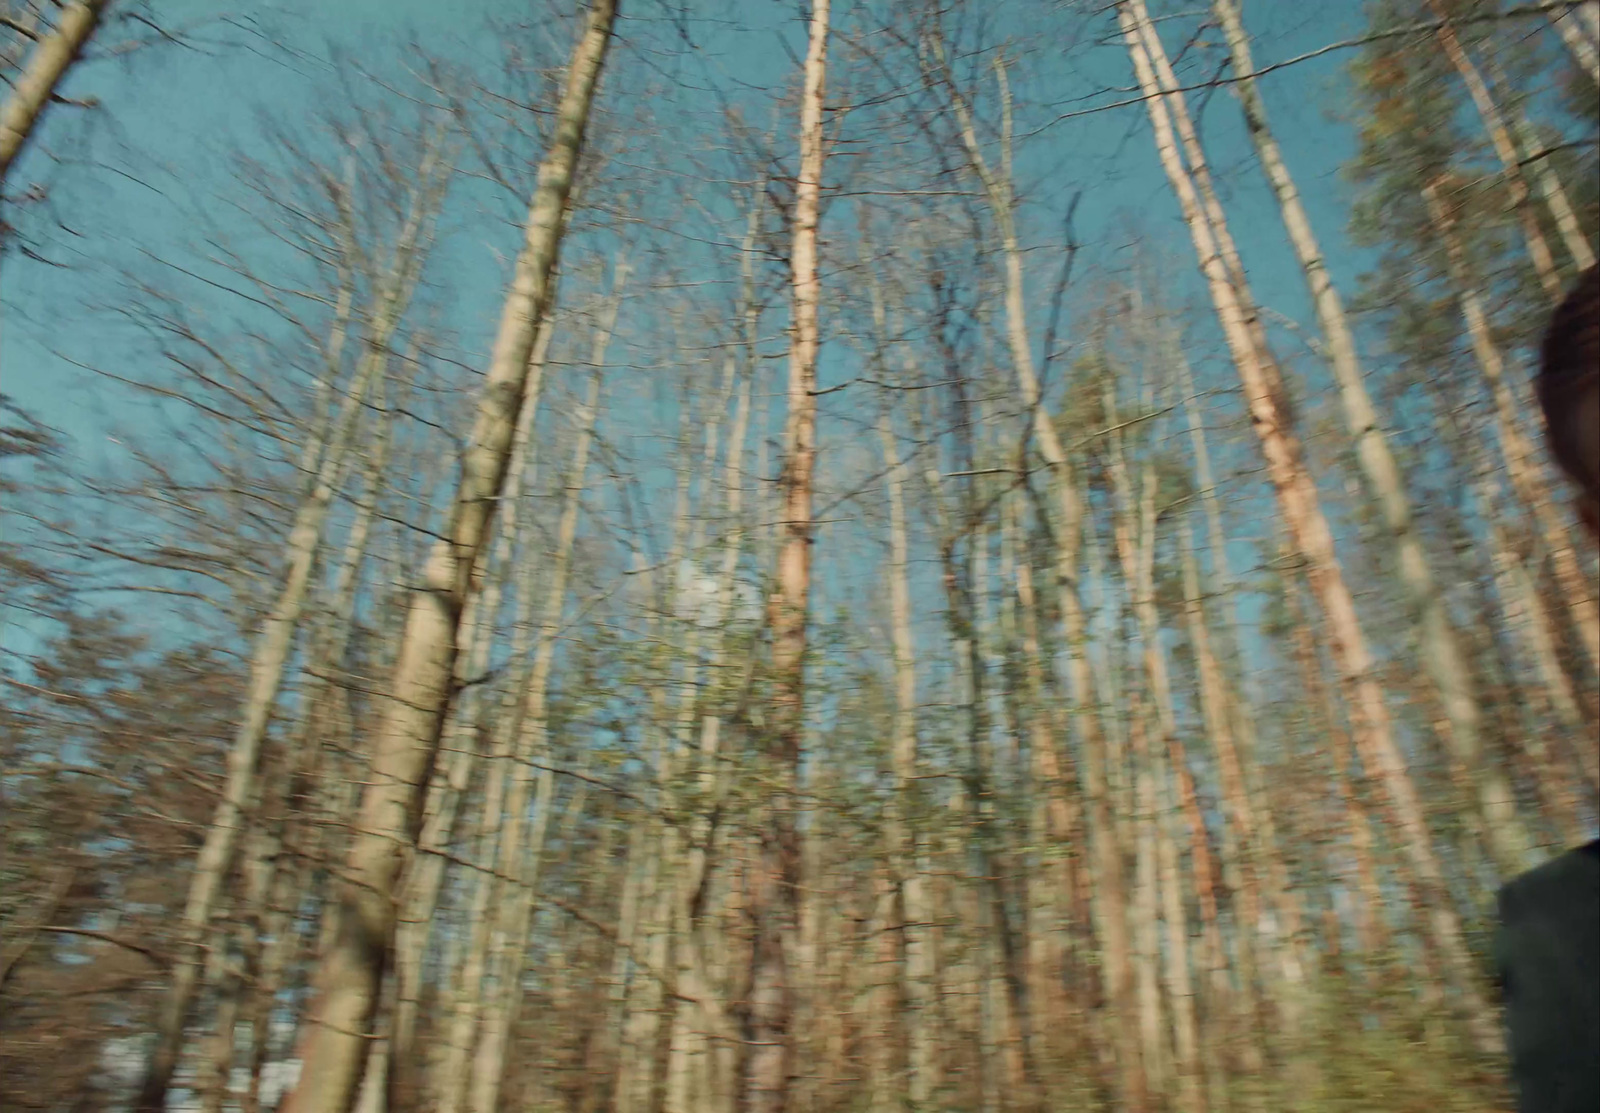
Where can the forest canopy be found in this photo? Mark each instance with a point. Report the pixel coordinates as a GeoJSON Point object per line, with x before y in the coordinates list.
{"type": "Point", "coordinates": [810, 556]}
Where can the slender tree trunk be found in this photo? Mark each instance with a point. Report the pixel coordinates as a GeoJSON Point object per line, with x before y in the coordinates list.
{"type": "Point", "coordinates": [1055, 821]}
{"type": "Point", "coordinates": [1522, 465]}
{"type": "Point", "coordinates": [493, 947]}
{"type": "Point", "coordinates": [769, 1063]}
{"type": "Point", "coordinates": [1145, 908]}
{"type": "Point", "coordinates": [47, 65]}
{"type": "Point", "coordinates": [907, 845]}
{"type": "Point", "coordinates": [1439, 644]}
{"type": "Point", "coordinates": [1371, 928]}
{"type": "Point", "coordinates": [1300, 505]}
{"type": "Point", "coordinates": [276, 640]}
{"type": "Point", "coordinates": [904, 842]}
{"type": "Point", "coordinates": [277, 865]}
{"type": "Point", "coordinates": [1530, 624]}
{"type": "Point", "coordinates": [351, 972]}
{"type": "Point", "coordinates": [458, 753]}
{"type": "Point", "coordinates": [1550, 187]}
{"type": "Point", "coordinates": [1111, 912]}
{"type": "Point", "coordinates": [1505, 149]}
{"type": "Point", "coordinates": [700, 1036]}
{"type": "Point", "coordinates": [1583, 47]}
{"type": "Point", "coordinates": [458, 1013]}
{"type": "Point", "coordinates": [519, 864]}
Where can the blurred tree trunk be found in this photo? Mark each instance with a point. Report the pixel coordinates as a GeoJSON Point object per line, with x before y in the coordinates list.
{"type": "Point", "coordinates": [271, 879]}
{"type": "Point", "coordinates": [1580, 41]}
{"type": "Point", "coordinates": [1214, 714]}
{"type": "Point", "coordinates": [769, 1061]}
{"type": "Point", "coordinates": [1531, 154]}
{"type": "Point", "coordinates": [351, 972]}
{"type": "Point", "coordinates": [1058, 909]}
{"type": "Point", "coordinates": [905, 842]}
{"type": "Point", "coordinates": [1350, 784]}
{"type": "Point", "coordinates": [482, 998]}
{"type": "Point", "coordinates": [275, 642]}
{"type": "Point", "coordinates": [1300, 506]}
{"type": "Point", "coordinates": [701, 1027]}
{"type": "Point", "coordinates": [49, 61]}
{"type": "Point", "coordinates": [458, 752]}
{"type": "Point", "coordinates": [1111, 912]}
{"type": "Point", "coordinates": [520, 865]}
{"type": "Point", "coordinates": [1440, 648]}
{"type": "Point", "coordinates": [1544, 264]}
{"type": "Point", "coordinates": [1522, 464]}
{"type": "Point", "coordinates": [1530, 623]}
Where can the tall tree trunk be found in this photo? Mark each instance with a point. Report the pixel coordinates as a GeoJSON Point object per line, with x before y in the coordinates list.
{"type": "Point", "coordinates": [1218, 726]}
{"type": "Point", "coordinates": [275, 642]}
{"type": "Point", "coordinates": [1505, 149]}
{"type": "Point", "coordinates": [701, 1031]}
{"type": "Point", "coordinates": [902, 833]}
{"type": "Point", "coordinates": [351, 972]}
{"type": "Point", "coordinates": [769, 1061]}
{"type": "Point", "coordinates": [520, 865]}
{"type": "Point", "coordinates": [277, 866]}
{"type": "Point", "coordinates": [458, 754]}
{"type": "Point", "coordinates": [47, 65]}
{"type": "Point", "coordinates": [1530, 623]}
{"type": "Point", "coordinates": [1439, 644]}
{"type": "Point", "coordinates": [1110, 910]}
{"type": "Point", "coordinates": [1522, 465]}
{"type": "Point", "coordinates": [1181, 995]}
{"type": "Point", "coordinates": [1532, 156]}
{"type": "Point", "coordinates": [1302, 513]}
{"type": "Point", "coordinates": [1371, 928]}
{"type": "Point", "coordinates": [1584, 50]}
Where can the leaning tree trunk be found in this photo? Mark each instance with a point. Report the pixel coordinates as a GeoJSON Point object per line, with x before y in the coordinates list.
{"type": "Point", "coordinates": [1578, 40]}
{"type": "Point", "coordinates": [776, 893]}
{"type": "Point", "coordinates": [1300, 505]}
{"type": "Point", "coordinates": [47, 65]}
{"type": "Point", "coordinates": [518, 863]}
{"type": "Point", "coordinates": [689, 1072]}
{"type": "Point", "coordinates": [352, 970]}
{"type": "Point", "coordinates": [1440, 646]}
{"type": "Point", "coordinates": [458, 754]}
{"type": "Point", "coordinates": [1522, 465]}
{"type": "Point", "coordinates": [1511, 163]}
{"type": "Point", "coordinates": [1109, 900]}
{"type": "Point", "coordinates": [268, 873]}
{"type": "Point", "coordinates": [275, 643]}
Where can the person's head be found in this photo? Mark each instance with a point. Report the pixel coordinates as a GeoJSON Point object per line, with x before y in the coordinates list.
{"type": "Point", "coordinates": [1569, 392]}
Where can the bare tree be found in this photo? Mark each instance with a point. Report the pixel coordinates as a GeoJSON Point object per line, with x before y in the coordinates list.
{"type": "Point", "coordinates": [769, 1061]}
{"type": "Point", "coordinates": [351, 973]}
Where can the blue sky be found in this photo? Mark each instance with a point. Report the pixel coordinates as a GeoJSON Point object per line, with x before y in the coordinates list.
{"type": "Point", "coordinates": [171, 115]}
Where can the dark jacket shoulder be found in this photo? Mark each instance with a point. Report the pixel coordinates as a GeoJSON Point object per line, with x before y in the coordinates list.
{"type": "Point", "coordinates": [1547, 952]}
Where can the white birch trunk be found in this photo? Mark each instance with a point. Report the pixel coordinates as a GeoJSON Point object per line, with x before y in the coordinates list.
{"type": "Point", "coordinates": [1539, 253]}
{"type": "Point", "coordinates": [48, 63]}
{"type": "Point", "coordinates": [1582, 44]}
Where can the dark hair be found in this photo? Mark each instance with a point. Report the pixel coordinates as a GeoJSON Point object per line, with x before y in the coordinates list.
{"type": "Point", "coordinates": [1569, 375]}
